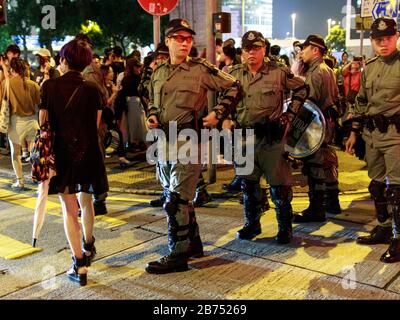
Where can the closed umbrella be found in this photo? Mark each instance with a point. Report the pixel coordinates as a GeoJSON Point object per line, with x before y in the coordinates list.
{"type": "Point", "coordinates": [40, 209]}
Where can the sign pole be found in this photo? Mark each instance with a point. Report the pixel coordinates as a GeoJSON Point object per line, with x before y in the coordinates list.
{"type": "Point", "coordinates": [156, 30]}
{"type": "Point", "coordinates": [211, 7]}
{"type": "Point", "coordinates": [157, 9]}
{"type": "Point", "coordinates": [362, 37]}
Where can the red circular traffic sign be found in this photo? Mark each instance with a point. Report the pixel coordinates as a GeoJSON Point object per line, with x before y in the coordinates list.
{"type": "Point", "coordinates": [158, 7]}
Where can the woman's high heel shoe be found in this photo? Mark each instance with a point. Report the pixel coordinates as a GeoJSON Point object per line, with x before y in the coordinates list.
{"type": "Point", "coordinates": [89, 251]}
{"type": "Point", "coordinates": [74, 272]}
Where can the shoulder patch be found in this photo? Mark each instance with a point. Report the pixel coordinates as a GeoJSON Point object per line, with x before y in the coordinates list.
{"type": "Point", "coordinates": [286, 70]}
{"type": "Point", "coordinates": [371, 60]}
{"type": "Point", "coordinates": [236, 67]}
{"type": "Point", "coordinates": [161, 65]}
{"type": "Point", "coordinates": [212, 68]}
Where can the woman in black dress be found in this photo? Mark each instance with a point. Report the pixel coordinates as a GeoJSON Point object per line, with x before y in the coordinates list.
{"type": "Point", "coordinates": [73, 107]}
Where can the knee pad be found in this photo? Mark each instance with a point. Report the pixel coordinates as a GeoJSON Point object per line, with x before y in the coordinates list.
{"type": "Point", "coordinates": [249, 186]}
{"type": "Point", "coordinates": [377, 189]}
{"type": "Point", "coordinates": [172, 201]}
{"type": "Point", "coordinates": [100, 197]}
{"type": "Point", "coordinates": [281, 193]}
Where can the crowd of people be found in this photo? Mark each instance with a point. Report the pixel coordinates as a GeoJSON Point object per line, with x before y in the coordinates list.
{"type": "Point", "coordinates": [83, 97]}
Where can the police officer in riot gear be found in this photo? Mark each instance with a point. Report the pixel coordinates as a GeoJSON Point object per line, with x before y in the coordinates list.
{"type": "Point", "coordinates": [321, 168]}
{"type": "Point", "coordinates": [178, 92]}
{"type": "Point", "coordinates": [377, 117]}
{"type": "Point", "coordinates": [265, 85]}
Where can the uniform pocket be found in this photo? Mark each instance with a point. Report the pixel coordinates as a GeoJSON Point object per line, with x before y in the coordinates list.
{"type": "Point", "coordinates": [186, 96]}
{"type": "Point", "coordinates": [391, 90]}
{"type": "Point", "coordinates": [269, 99]}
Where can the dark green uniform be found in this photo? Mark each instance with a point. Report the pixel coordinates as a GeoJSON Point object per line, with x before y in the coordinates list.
{"type": "Point", "coordinates": [378, 102]}
{"type": "Point", "coordinates": [179, 93]}
{"type": "Point", "coordinates": [321, 168]}
{"type": "Point", "coordinates": [261, 109]}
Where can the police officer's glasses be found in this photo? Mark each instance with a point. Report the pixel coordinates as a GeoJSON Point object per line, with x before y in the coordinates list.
{"type": "Point", "coordinates": [181, 39]}
{"type": "Point", "coordinates": [254, 48]}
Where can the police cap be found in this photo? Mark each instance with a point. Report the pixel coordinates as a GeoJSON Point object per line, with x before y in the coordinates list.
{"type": "Point", "coordinates": [315, 40]}
{"type": "Point", "coordinates": [382, 27]}
{"type": "Point", "coordinates": [253, 38]}
{"type": "Point", "coordinates": [178, 25]}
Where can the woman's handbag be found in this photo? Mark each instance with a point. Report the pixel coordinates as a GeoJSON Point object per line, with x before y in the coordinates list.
{"type": "Point", "coordinates": [42, 156]}
{"type": "Point", "coordinates": [5, 109]}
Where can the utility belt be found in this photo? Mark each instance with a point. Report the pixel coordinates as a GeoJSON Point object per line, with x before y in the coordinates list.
{"type": "Point", "coordinates": [195, 125]}
{"type": "Point", "coordinates": [380, 122]}
{"type": "Point", "coordinates": [272, 131]}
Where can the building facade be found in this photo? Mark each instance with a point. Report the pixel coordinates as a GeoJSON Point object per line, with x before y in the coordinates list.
{"type": "Point", "coordinates": [245, 15]}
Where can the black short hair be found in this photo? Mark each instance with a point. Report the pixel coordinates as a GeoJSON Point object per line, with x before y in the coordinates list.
{"type": "Point", "coordinates": [108, 51]}
{"type": "Point", "coordinates": [14, 49]}
{"type": "Point", "coordinates": [275, 50]}
{"type": "Point", "coordinates": [117, 51]}
{"type": "Point", "coordinates": [229, 51]}
{"type": "Point", "coordinates": [84, 37]}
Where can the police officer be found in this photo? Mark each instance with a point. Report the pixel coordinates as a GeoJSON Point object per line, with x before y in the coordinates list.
{"type": "Point", "coordinates": [264, 84]}
{"type": "Point", "coordinates": [377, 116]}
{"type": "Point", "coordinates": [161, 54]}
{"type": "Point", "coordinates": [321, 168]}
{"type": "Point", "coordinates": [178, 92]}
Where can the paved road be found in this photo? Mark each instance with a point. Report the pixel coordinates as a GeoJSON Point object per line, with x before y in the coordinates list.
{"type": "Point", "coordinates": [323, 261]}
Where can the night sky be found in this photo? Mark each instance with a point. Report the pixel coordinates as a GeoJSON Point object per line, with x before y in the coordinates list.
{"type": "Point", "coordinates": [311, 16]}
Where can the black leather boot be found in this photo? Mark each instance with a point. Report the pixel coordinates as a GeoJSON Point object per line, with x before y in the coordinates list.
{"type": "Point", "coordinates": [167, 264]}
{"type": "Point", "coordinates": [377, 235]}
{"type": "Point", "coordinates": [178, 234]}
{"type": "Point", "coordinates": [378, 193]}
{"type": "Point", "coordinates": [264, 200]}
{"type": "Point", "coordinates": [316, 211]}
{"type": "Point", "coordinates": [252, 210]}
{"type": "Point", "coordinates": [332, 204]}
{"type": "Point", "coordinates": [158, 203]}
{"type": "Point", "coordinates": [195, 248]}
{"type": "Point", "coordinates": [249, 231]}
{"type": "Point", "coordinates": [73, 273]}
{"type": "Point", "coordinates": [89, 251]}
{"type": "Point", "coordinates": [201, 197]}
{"type": "Point", "coordinates": [282, 197]}
{"type": "Point", "coordinates": [99, 208]}
{"type": "Point", "coordinates": [392, 254]}
{"type": "Point", "coordinates": [234, 185]}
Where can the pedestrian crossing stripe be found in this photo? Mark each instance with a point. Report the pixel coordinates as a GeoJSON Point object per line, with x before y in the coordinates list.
{"type": "Point", "coordinates": [111, 222]}
{"type": "Point", "coordinates": [14, 249]}
{"type": "Point", "coordinates": [53, 208]}
{"type": "Point", "coordinates": [27, 201]}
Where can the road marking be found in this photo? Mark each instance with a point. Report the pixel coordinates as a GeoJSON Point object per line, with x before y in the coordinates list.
{"type": "Point", "coordinates": [29, 202]}
{"type": "Point", "coordinates": [14, 249]}
{"type": "Point", "coordinates": [111, 222]}
{"type": "Point", "coordinates": [53, 208]}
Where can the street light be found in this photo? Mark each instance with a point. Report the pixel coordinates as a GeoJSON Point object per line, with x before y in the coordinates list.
{"type": "Point", "coordinates": [259, 14]}
{"type": "Point", "coordinates": [293, 25]}
{"type": "Point", "coordinates": [330, 24]}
